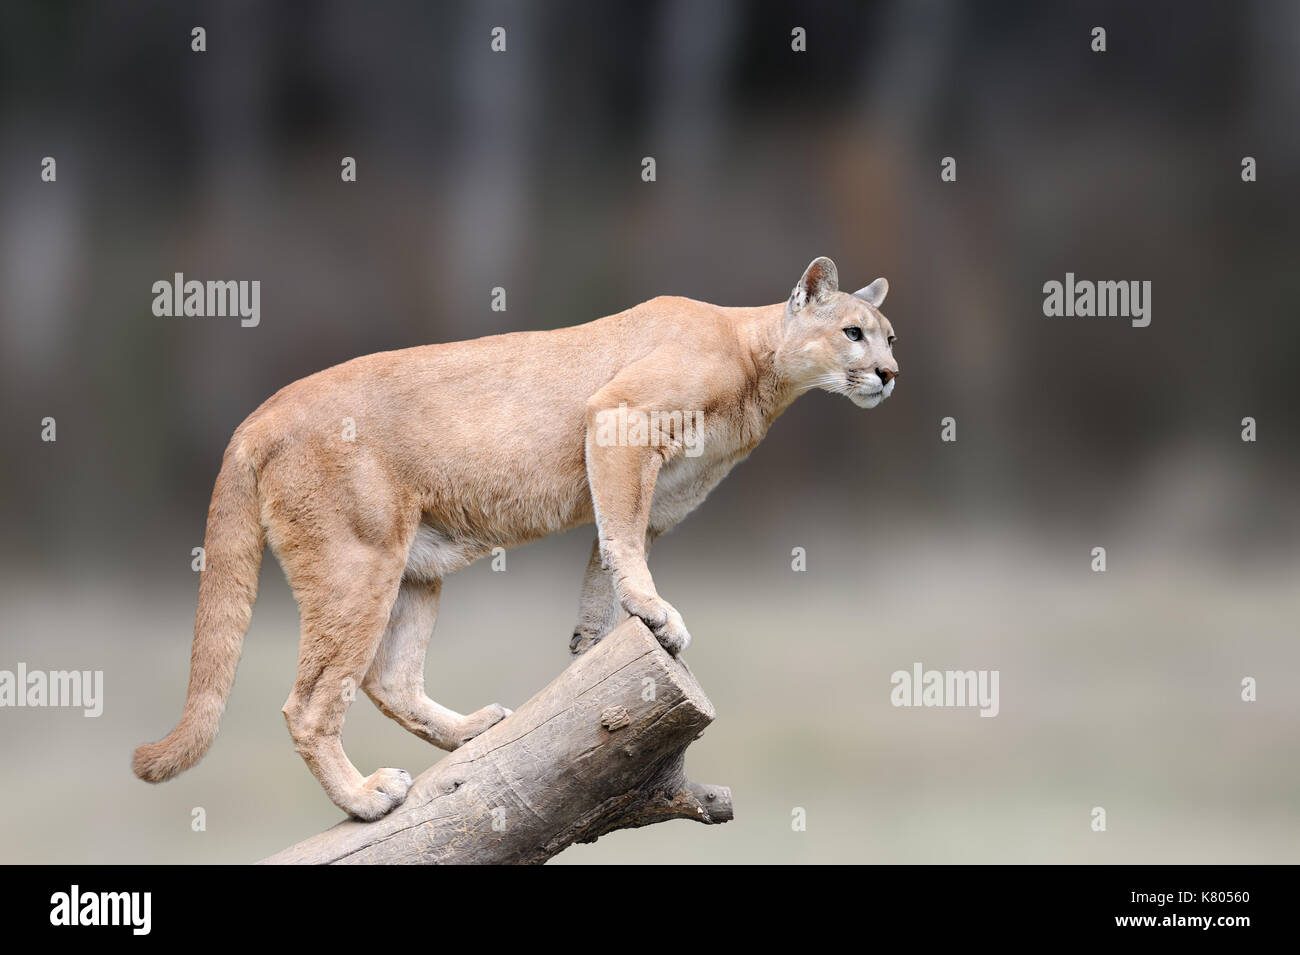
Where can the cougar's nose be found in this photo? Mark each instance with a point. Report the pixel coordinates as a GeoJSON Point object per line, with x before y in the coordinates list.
{"type": "Point", "coordinates": [884, 374]}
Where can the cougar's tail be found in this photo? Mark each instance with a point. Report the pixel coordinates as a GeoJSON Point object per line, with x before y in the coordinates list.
{"type": "Point", "coordinates": [227, 588]}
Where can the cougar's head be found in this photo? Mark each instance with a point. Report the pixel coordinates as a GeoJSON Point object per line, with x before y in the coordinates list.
{"type": "Point", "coordinates": [839, 342]}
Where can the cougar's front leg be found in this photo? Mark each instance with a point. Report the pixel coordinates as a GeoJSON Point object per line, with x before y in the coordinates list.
{"type": "Point", "coordinates": [622, 480]}
{"type": "Point", "coordinates": [599, 609]}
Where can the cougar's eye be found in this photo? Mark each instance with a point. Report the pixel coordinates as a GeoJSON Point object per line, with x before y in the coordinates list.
{"type": "Point", "coordinates": [853, 333]}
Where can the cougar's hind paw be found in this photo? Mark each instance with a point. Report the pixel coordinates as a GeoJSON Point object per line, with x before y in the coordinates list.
{"type": "Point", "coordinates": [382, 792]}
{"type": "Point", "coordinates": [481, 720]}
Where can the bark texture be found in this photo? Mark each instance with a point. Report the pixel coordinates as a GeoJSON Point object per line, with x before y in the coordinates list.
{"type": "Point", "coordinates": [601, 748]}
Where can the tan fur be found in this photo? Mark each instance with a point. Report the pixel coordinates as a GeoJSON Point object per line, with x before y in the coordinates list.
{"type": "Point", "coordinates": [464, 447]}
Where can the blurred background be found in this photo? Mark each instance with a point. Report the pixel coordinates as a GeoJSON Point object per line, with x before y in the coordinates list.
{"type": "Point", "coordinates": [522, 170]}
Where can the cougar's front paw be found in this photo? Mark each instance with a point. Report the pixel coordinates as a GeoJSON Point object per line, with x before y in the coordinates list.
{"type": "Point", "coordinates": [672, 635]}
{"type": "Point", "coordinates": [663, 620]}
{"type": "Point", "coordinates": [584, 638]}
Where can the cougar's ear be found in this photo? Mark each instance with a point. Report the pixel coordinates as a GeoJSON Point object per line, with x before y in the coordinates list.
{"type": "Point", "coordinates": [874, 293]}
{"type": "Point", "coordinates": [819, 281]}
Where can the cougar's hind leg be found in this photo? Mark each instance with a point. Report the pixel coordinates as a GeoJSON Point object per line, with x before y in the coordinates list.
{"type": "Point", "coordinates": [345, 593]}
{"type": "Point", "coordinates": [395, 680]}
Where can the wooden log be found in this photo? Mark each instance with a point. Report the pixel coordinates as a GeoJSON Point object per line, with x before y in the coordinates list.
{"type": "Point", "coordinates": [601, 748]}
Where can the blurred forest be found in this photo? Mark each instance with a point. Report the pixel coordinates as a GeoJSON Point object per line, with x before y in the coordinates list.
{"type": "Point", "coordinates": [522, 170]}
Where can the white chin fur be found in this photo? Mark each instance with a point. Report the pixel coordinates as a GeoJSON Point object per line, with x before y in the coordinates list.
{"type": "Point", "coordinates": [870, 401]}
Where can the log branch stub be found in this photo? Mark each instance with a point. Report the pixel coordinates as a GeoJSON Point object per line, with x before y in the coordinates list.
{"type": "Point", "coordinates": [602, 747]}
